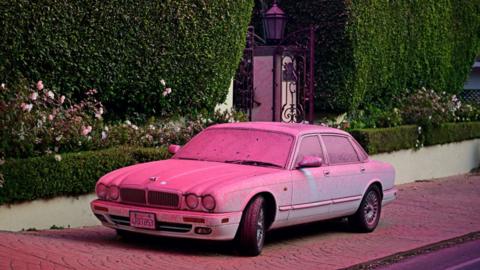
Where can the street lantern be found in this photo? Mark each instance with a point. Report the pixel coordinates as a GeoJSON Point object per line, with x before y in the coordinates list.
{"type": "Point", "coordinates": [274, 21]}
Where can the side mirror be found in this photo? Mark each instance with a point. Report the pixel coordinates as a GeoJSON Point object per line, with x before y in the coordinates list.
{"type": "Point", "coordinates": [173, 148]}
{"type": "Point", "coordinates": [310, 161]}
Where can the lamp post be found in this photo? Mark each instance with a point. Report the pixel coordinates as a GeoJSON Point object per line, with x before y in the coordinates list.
{"type": "Point", "coordinates": [274, 21]}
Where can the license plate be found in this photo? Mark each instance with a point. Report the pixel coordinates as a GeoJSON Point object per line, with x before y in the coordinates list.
{"type": "Point", "coordinates": [142, 220]}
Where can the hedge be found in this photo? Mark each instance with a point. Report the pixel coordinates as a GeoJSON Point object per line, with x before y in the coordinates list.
{"type": "Point", "coordinates": [379, 140]}
{"type": "Point", "coordinates": [124, 48]}
{"type": "Point", "coordinates": [76, 173]}
{"type": "Point", "coordinates": [452, 132]}
{"type": "Point", "coordinates": [371, 51]}
{"type": "Point", "coordinates": [382, 140]}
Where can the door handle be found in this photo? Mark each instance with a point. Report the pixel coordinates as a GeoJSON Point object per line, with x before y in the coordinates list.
{"type": "Point", "coordinates": [326, 173]}
{"type": "Point", "coordinates": [362, 169]}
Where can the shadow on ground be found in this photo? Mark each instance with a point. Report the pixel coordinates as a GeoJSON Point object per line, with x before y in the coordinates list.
{"type": "Point", "coordinates": [109, 239]}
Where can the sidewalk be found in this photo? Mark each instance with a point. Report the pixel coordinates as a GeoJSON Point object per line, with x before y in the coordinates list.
{"type": "Point", "coordinates": [425, 213]}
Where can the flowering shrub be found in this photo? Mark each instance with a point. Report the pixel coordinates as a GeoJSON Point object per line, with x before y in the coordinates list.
{"type": "Point", "coordinates": [426, 107]}
{"type": "Point", "coordinates": [35, 121]}
{"type": "Point", "coordinates": [422, 107]}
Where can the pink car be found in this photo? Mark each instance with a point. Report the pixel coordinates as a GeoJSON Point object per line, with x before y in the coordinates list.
{"type": "Point", "coordinates": [236, 181]}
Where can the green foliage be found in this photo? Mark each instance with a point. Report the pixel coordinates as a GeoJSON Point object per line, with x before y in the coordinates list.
{"type": "Point", "coordinates": [452, 132]}
{"type": "Point", "coordinates": [368, 52]}
{"type": "Point", "coordinates": [381, 140]}
{"type": "Point", "coordinates": [75, 174]}
{"type": "Point", "coordinates": [124, 48]}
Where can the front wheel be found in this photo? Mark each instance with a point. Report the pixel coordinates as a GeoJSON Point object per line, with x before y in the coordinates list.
{"type": "Point", "coordinates": [251, 234]}
{"type": "Point", "coordinates": [368, 214]}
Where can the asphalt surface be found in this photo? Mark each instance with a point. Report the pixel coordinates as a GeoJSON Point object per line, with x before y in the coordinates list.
{"type": "Point", "coordinates": [425, 213]}
{"type": "Point", "coordinates": [465, 256]}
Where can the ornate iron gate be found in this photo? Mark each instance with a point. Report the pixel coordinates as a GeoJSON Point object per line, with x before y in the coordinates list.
{"type": "Point", "coordinates": [292, 92]}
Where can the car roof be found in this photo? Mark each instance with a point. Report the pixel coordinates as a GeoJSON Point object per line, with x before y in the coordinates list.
{"type": "Point", "coordinates": [294, 129]}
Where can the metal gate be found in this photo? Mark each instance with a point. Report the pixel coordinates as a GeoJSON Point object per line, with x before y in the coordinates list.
{"type": "Point", "coordinates": [292, 78]}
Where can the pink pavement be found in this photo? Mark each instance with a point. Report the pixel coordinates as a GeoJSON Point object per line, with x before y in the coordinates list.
{"type": "Point", "coordinates": [425, 213]}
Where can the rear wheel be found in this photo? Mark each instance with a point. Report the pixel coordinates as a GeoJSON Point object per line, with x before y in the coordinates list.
{"type": "Point", "coordinates": [368, 214]}
{"type": "Point", "coordinates": [251, 233]}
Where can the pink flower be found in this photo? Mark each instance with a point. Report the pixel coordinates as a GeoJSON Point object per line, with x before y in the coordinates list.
{"type": "Point", "coordinates": [162, 82]}
{"type": "Point", "coordinates": [34, 96]}
{"type": "Point", "coordinates": [62, 99]}
{"type": "Point", "coordinates": [50, 94]}
{"type": "Point", "coordinates": [39, 85]}
{"type": "Point", "coordinates": [165, 93]}
{"type": "Point", "coordinates": [50, 117]}
{"type": "Point", "coordinates": [86, 130]}
{"type": "Point", "coordinates": [169, 90]}
{"type": "Point", "coordinates": [3, 86]}
{"type": "Point", "coordinates": [26, 107]}
{"type": "Point", "coordinates": [98, 114]}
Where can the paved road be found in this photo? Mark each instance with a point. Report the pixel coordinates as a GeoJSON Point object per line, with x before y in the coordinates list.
{"type": "Point", "coordinates": [464, 256]}
{"type": "Point", "coordinates": [425, 213]}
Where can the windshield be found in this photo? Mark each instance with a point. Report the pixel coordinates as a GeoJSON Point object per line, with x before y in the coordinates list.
{"type": "Point", "coordinates": [240, 146]}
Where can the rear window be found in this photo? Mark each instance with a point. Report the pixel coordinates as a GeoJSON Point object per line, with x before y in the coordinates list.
{"type": "Point", "coordinates": [339, 150]}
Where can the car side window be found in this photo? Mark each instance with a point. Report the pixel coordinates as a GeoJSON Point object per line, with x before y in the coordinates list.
{"type": "Point", "coordinates": [339, 150]}
{"type": "Point", "coordinates": [309, 146]}
{"type": "Point", "coordinates": [361, 153]}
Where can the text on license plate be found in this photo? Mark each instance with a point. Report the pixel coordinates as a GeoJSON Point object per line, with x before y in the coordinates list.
{"type": "Point", "coordinates": [142, 220]}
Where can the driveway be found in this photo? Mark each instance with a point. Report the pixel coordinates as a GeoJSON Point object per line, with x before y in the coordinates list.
{"type": "Point", "coordinates": [426, 212]}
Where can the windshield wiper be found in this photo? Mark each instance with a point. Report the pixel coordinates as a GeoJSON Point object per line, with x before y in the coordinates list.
{"type": "Point", "coordinates": [253, 162]}
{"type": "Point", "coordinates": [187, 158]}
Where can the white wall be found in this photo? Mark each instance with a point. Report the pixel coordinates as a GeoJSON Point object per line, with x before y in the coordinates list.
{"type": "Point", "coordinates": [426, 163]}
{"type": "Point", "coordinates": [42, 214]}
{"type": "Point", "coordinates": [433, 161]}
{"type": "Point", "coordinates": [227, 105]}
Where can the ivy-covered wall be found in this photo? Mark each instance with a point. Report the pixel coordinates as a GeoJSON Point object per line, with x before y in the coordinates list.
{"type": "Point", "coordinates": [124, 48]}
{"type": "Point", "coordinates": [368, 51]}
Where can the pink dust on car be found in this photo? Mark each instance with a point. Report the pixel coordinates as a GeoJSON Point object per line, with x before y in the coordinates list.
{"type": "Point", "coordinates": [237, 181]}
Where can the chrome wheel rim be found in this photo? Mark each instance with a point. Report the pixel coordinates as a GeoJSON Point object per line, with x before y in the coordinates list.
{"type": "Point", "coordinates": [370, 209]}
{"type": "Point", "coordinates": [260, 228]}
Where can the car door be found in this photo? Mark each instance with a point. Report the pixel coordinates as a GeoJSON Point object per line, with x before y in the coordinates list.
{"type": "Point", "coordinates": [345, 172]}
{"type": "Point", "coordinates": [311, 192]}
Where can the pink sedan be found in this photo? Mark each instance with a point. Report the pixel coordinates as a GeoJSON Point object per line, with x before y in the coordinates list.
{"type": "Point", "coordinates": [236, 181]}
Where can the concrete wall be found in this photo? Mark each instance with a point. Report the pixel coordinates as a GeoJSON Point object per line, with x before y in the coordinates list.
{"type": "Point", "coordinates": [426, 163]}
{"type": "Point", "coordinates": [42, 214]}
{"type": "Point", "coordinates": [433, 161]}
{"type": "Point", "coordinates": [227, 105]}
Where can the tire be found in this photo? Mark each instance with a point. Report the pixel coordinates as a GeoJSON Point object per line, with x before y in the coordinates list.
{"type": "Point", "coordinates": [251, 233]}
{"type": "Point", "coordinates": [368, 214]}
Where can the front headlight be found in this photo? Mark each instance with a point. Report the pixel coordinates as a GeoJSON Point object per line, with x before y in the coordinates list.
{"type": "Point", "coordinates": [113, 193]}
{"type": "Point", "coordinates": [102, 191]}
{"type": "Point", "coordinates": [191, 200]}
{"type": "Point", "coordinates": [208, 202]}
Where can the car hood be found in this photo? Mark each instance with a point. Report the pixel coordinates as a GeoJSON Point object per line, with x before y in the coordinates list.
{"type": "Point", "coordinates": [181, 175]}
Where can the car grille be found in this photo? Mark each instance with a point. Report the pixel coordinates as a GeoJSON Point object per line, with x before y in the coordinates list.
{"type": "Point", "coordinates": [155, 198]}
{"type": "Point", "coordinates": [159, 198]}
{"type": "Point", "coordinates": [130, 195]}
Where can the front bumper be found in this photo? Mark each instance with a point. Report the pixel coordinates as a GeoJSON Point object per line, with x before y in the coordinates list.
{"type": "Point", "coordinates": [171, 223]}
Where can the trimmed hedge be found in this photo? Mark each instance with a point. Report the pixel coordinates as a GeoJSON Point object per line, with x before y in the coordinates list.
{"type": "Point", "coordinates": [452, 132]}
{"type": "Point", "coordinates": [370, 51]}
{"type": "Point", "coordinates": [382, 140]}
{"type": "Point", "coordinates": [124, 48]}
{"type": "Point", "coordinates": [379, 140]}
{"type": "Point", "coordinates": [75, 174]}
